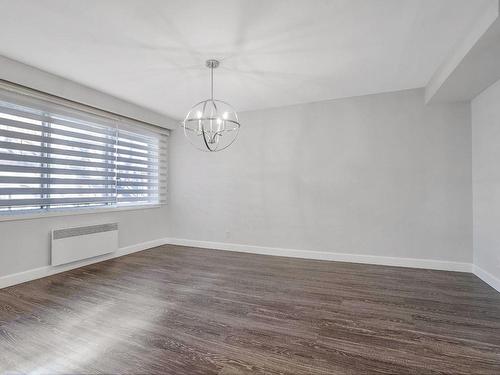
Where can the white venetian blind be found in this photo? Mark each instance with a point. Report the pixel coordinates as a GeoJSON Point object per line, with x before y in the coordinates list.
{"type": "Point", "coordinates": [54, 157]}
{"type": "Point", "coordinates": [140, 162]}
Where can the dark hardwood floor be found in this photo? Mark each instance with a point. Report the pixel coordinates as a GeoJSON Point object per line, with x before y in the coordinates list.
{"type": "Point", "coordinates": [178, 310]}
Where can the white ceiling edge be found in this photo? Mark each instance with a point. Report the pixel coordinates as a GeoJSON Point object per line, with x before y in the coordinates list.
{"type": "Point", "coordinates": [458, 78]}
{"type": "Point", "coordinates": [37, 79]}
{"type": "Point", "coordinates": [476, 72]}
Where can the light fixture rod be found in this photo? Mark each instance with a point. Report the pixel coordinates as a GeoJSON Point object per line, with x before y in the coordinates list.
{"type": "Point", "coordinates": [212, 64]}
{"type": "Point", "coordinates": [212, 82]}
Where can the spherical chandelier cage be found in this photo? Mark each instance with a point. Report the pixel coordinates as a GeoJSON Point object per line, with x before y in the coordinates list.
{"type": "Point", "coordinates": [211, 125]}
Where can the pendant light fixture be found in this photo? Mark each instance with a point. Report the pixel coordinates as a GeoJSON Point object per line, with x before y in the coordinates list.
{"type": "Point", "coordinates": [211, 125]}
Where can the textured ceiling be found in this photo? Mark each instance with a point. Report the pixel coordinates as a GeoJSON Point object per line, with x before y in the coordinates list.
{"type": "Point", "coordinates": [273, 52]}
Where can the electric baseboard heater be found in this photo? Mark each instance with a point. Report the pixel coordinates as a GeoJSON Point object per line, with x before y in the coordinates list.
{"type": "Point", "coordinates": [73, 244]}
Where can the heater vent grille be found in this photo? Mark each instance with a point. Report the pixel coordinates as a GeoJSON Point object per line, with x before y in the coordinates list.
{"type": "Point", "coordinates": [81, 231]}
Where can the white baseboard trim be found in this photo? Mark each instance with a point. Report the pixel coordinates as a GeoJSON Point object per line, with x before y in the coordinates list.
{"type": "Point", "coordinates": [37, 273]}
{"type": "Point", "coordinates": [487, 277]}
{"type": "Point", "coordinates": [323, 255]}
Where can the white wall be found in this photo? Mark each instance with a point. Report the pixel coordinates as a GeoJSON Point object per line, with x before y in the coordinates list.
{"type": "Point", "coordinates": [486, 182]}
{"type": "Point", "coordinates": [25, 244]}
{"type": "Point", "coordinates": [381, 175]}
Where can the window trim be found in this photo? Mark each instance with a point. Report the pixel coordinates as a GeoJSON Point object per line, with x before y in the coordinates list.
{"type": "Point", "coordinates": [56, 212]}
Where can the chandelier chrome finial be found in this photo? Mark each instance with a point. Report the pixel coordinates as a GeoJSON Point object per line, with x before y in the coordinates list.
{"type": "Point", "coordinates": [211, 125]}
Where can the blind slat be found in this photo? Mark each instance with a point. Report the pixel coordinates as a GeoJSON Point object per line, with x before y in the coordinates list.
{"type": "Point", "coordinates": [136, 199]}
{"type": "Point", "coordinates": [121, 183]}
{"type": "Point", "coordinates": [45, 129]}
{"type": "Point", "coordinates": [51, 140]}
{"type": "Point", "coordinates": [54, 181]}
{"type": "Point", "coordinates": [56, 151]}
{"type": "Point", "coordinates": [152, 168]}
{"type": "Point", "coordinates": [58, 161]}
{"type": "Point", "coordinates": [50, 201]}
{"type": "Point", "coordinates": [58, 121]}
{"type": "Point", "coordinates": [47, 170]}
{"type": "Point", "coordinates": [31, 191]}
{"type": "Point", "coordinates": [84, 154]}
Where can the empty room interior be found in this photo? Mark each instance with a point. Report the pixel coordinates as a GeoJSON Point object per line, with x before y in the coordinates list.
{"type": "Point", "coordinates": [250, 187]}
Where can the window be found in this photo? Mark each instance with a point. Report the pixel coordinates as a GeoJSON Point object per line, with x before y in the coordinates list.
{"type": "Point", "coordinates": [56, 157]}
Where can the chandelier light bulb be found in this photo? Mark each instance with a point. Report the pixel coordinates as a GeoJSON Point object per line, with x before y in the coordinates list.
{"type": "Point", "coordinates": [211, 125]}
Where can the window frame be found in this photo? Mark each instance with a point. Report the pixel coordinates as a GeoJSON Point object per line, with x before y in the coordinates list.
{"type": "Point", "coordinates": [49, 104]}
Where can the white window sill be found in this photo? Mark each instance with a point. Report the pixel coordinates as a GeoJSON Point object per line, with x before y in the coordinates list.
{"type": "Point", "coordinates": [72, 211]}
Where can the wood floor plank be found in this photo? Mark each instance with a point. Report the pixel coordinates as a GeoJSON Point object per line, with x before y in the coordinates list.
{"type": "Point", "coordinates": [180, 310]}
